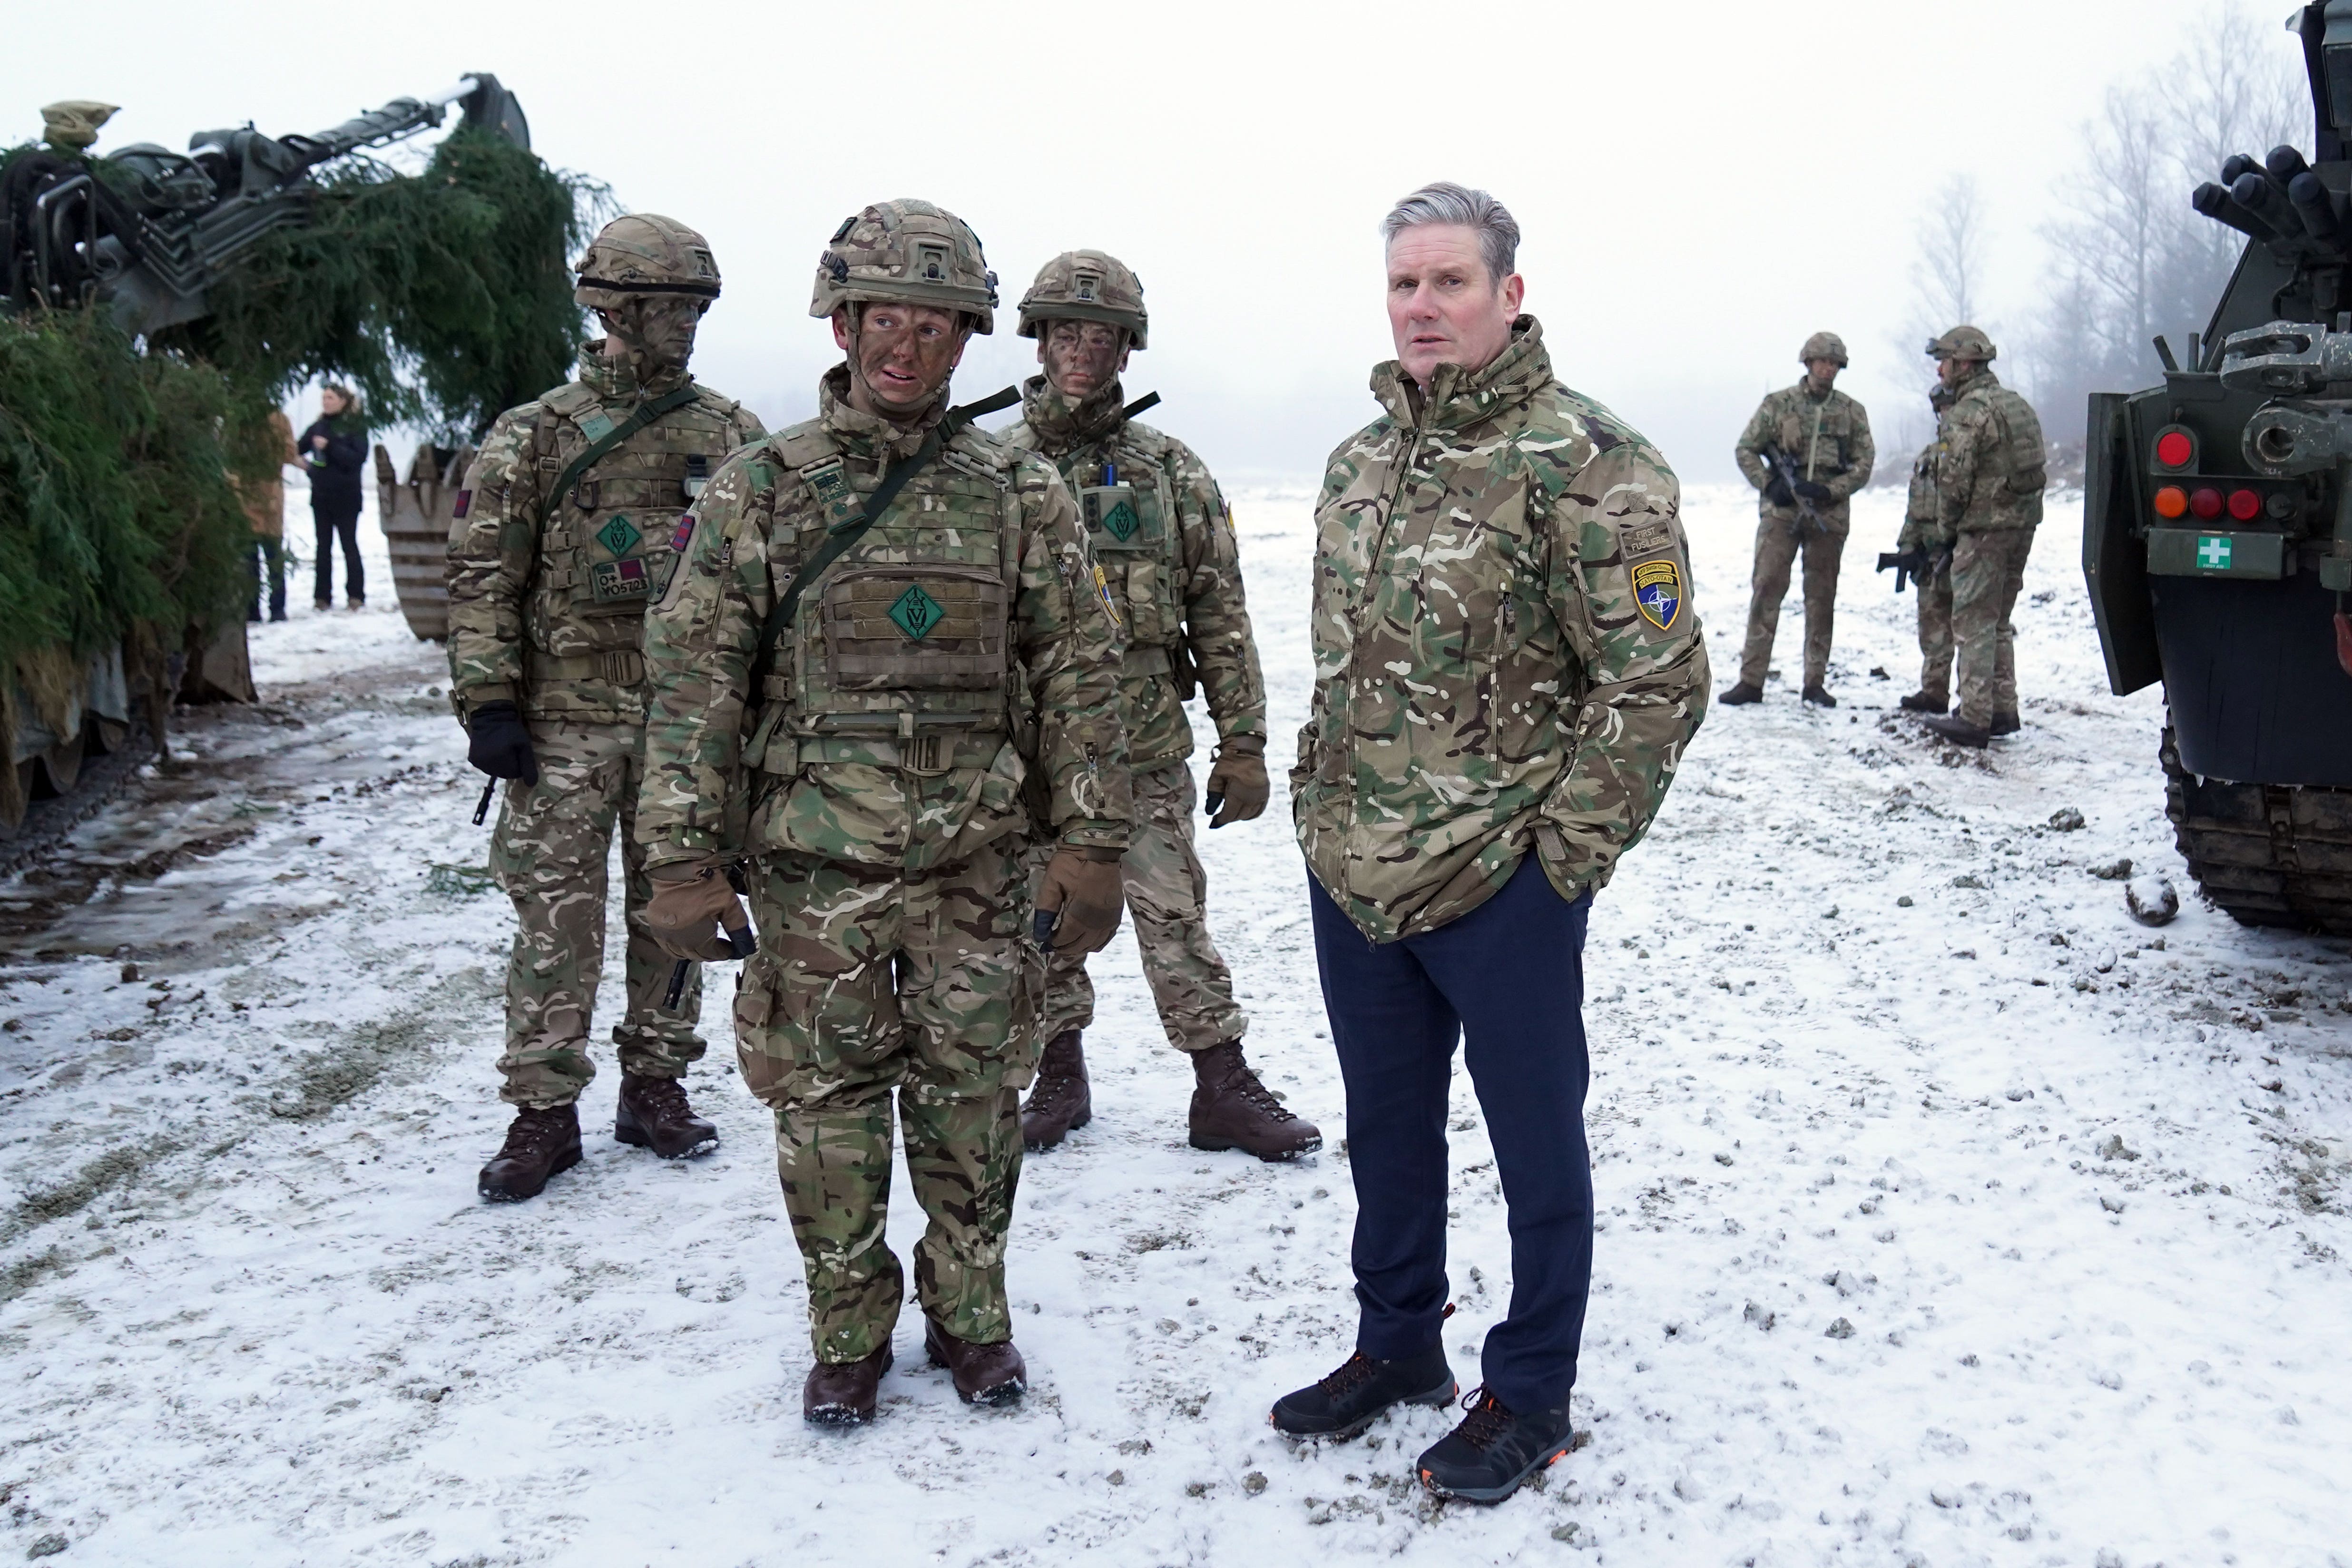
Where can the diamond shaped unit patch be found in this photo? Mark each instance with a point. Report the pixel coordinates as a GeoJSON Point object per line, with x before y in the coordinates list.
{"type": "Point", "coordinates": [619, 536]}
{"type": "Point", "coordinates": [1121, 521]}
{"type": "Point", "coordinates": [916, 613]}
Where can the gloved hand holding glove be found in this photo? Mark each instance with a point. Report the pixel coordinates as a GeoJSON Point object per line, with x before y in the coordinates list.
{"type": "Point", "coordinates": [1814, 491]}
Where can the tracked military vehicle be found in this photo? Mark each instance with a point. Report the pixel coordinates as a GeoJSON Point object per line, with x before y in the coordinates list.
{"type": "Point", "coordinates": [2217, 530]}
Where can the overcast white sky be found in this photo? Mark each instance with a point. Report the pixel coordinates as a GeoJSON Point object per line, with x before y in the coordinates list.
{"type": "Point", "coordinates": [1701, 184]}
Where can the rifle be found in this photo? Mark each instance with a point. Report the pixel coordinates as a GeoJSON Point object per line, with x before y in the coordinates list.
{"type": "Point", "coordinates": [1780, 490]}
{"type": "Point", "coordinates": [743, 940]}
{"type": "Point", "coordinates": [1917, 563]}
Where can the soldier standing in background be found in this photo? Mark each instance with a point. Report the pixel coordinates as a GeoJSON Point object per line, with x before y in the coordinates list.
{"type": "Point", "coordinates": [1820, 438]}
{"type": "Point", "coordinates": [559, 539]}
{"type": "Point", "coordinates": [1922, 533]}
{"type": "Point", "coordinates": [1164, 538]}
{"type": "Point", "coordinates": [1989, 484]}
{"type": "Point", "coordinates": [886, 661]}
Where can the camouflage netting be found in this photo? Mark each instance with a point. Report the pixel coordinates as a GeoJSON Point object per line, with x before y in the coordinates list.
{"type": "Point", "coordinates": [116, 515]}
{"type": "Point", "coordinates": [442, 297]}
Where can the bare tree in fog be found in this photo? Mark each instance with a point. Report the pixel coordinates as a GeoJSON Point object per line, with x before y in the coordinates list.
{"type": "Point", "coordinates": [1944, 275]}
{"type": "Point", "coordinates": [2130, 259]}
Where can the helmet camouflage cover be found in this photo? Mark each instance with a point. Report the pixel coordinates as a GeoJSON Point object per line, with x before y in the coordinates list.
{"type": "Point", "coordinates": [645, 253]}
{"type": "Point", "coordinates": [72, 125]}
{"type": "Point", "coordinates": [1087, 285]}
{"type": "Point", "coordinates": [1963, 343]}
{"type": "Point", "coordinates": [910, 251]}
{"type": "Point", "coordinates": [1823, 345]}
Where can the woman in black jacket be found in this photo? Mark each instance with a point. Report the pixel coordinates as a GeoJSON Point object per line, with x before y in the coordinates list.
{"type": "Point", "coordinates": [334, 450]}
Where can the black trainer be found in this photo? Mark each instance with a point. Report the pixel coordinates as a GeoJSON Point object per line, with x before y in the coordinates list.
{"type": "Point", "coordinates": [1493, 1452]}
{"type": "Point", "coordinates": [1342, 1404]}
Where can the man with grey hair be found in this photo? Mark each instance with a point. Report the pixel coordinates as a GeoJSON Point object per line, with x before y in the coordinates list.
{"type": "Point", "coordinates": [1507, 668]}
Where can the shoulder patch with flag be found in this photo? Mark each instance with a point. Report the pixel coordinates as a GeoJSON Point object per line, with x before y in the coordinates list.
{"type": "Point", "coordinates": [1658, 591]}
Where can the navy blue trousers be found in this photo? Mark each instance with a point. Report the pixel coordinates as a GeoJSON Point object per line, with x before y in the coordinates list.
{"type": "Point", "coordinates": [1509, 977]}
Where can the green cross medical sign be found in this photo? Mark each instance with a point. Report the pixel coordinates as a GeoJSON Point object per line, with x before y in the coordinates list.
{"type": "Point", "coordinates": [2213, 552]}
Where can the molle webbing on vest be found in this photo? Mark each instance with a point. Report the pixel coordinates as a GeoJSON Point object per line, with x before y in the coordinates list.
{"type": "Point", "coordinates": [840, 536]}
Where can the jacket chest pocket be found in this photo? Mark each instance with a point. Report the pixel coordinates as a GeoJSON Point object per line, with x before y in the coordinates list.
{"type": "Point", "coordinates": [916, 628]}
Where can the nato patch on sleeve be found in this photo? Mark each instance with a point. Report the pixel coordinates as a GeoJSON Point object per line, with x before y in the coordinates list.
{"type": "Point", "coordinates": [459, 506]}
{"type": "Point", "coordinates": [1658, 592]}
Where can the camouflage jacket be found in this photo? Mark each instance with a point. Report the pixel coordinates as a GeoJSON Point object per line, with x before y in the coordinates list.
{"type": "Point", "coordinates": [1506, 652]}
{"type": "Point", "coordinates": [1827, 437]}
{"type": "Point", "coordinates": [1992, 473]}
{"type": "Point", "coordinates": [547, 594]}
{"type": "Point", "coordinates": [952, 676]}
{"type": "Point", "coordinates": [1172, 562]}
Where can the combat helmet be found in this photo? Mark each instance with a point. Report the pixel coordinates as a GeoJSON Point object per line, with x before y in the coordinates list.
{"type": "Point", "coordinates": [1087, 285]}
{"type": "Point", "coordinates": [907, 250]}
{"type": "Point", "coordinates": [645, 253]}
{"type": "Point", "coordinates": [1823, 345]}
{"type": "Point", "coordinates": [1963, 343]}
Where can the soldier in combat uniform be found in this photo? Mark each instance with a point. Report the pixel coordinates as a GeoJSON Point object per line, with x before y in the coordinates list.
{"type": "Point", "coordinates": [1164, 537]}
{"type": "Point", "coordinates": [1922, 533]}
{"type": "Point", "coordinates": [1988, 482]}
{"type": "Point", "coordinates": [1821, 437]}
{"type": "Point", "coordinates": [885, 663]}
{"type": "Point", "coordinates": [558, 542]}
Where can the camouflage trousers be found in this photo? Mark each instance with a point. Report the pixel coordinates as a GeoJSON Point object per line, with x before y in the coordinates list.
{"type": "Point", "coordinates": [549, 853]}
{"type": "Point", "coordinates": [868, 981]}
{"type": "Point", "coordinates": [1166, 893]}
{"type": "Point", "coordinates": [1936, 632]}
{"type": "Point", "coordinates": [1988, 571]}
{"type": "Point", "coordinates": [1777, 547]}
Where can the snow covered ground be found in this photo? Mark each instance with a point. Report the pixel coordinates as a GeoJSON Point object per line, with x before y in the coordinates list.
{"type": "Point", "coordinates": [1947, 1216]}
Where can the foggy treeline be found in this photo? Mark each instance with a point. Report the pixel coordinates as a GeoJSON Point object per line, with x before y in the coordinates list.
{"type": "Point", "coordinates": [2127, 259]}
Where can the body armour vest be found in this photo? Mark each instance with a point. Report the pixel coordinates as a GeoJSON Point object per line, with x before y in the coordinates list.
{"type": "Point", "coordinates": [606, 542]}
{"type": "Point", "coordinates": [900, 652]}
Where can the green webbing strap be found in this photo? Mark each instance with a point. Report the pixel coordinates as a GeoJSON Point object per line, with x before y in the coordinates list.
{"type": "Point", "coordinates": [1148, 401]}
{"type": "Point", "coordinates": [842, 535]}
{"type": "Point", "coordinates": [611, 438]}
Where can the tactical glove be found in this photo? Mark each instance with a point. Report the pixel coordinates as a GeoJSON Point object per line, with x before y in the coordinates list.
{"type": "Point", "coordinates": [691, 906]}
{"type": "Point", "coordinates": [1083, 888]}
{"type": "Point", "coordinates": [1237, 789]}
{"type": "Point", "coordinates": [1814, 491]}
{"type": "Point", "coordinates": [499, 744]}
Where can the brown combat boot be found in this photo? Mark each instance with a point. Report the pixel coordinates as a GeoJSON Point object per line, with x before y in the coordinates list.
{"type": "Point", "coordinates": [841, 1393]}
{"type": "Point", "coordinates": [1817, 696]}
{"type": "Point", "coordinates": [1740, 695]}
{"type": "Point", "coordinates": [1231, 1109]}
{"type": "Point", "coordinates": [1061, 1102]}
{"type": "Point", "coordinates": [1925, 702]}
{"type": "Point", "coordinates": [653, 1115]}
{"type": "Point", "coordinates": [1960, 733]}
{"type": "Point", "coordinates": [984, 1375]}
{"type": "Point", "coordinates": [542, 1141]}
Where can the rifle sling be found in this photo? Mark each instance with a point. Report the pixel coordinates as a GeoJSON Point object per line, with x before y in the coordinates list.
{"type": "Point", "coordinates": [842, 535]}
{"type": "Point", "coordinates": [644, 416]}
